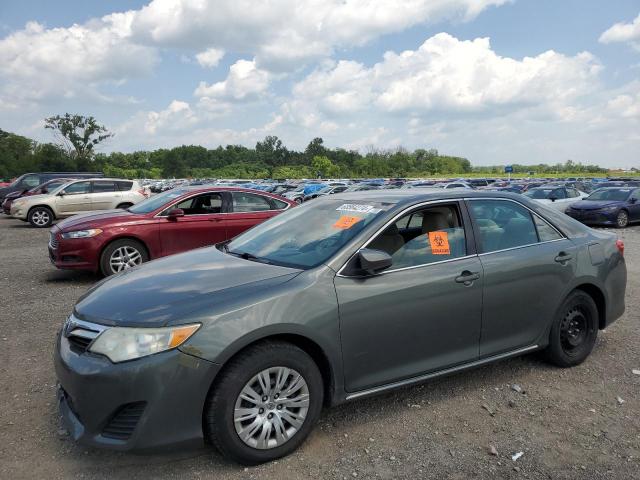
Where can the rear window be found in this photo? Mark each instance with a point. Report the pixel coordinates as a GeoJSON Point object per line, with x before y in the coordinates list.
{"type": "Point", "coordinates": [124, 185]}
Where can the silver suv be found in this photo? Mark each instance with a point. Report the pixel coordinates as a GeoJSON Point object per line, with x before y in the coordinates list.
{"type": "Point", "coordinates": [79, 196]}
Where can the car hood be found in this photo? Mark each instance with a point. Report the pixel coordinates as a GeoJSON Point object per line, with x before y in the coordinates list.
{"type": "Point", "coordinates": [166, 291]}
{"type": "Point", "coordinates": [96, 219]}
{"type": "Point", "coordinates": [595, 205]}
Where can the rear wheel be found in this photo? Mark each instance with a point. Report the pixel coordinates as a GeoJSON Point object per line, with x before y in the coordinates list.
{"type": "Point", "coordinates": [122, 255]}
{"type": "Point", "coordinates": [40, 217]}
{"type": "Point", "coordinates": [622, 219]}
{"type": "Point", "coordinates": [574, 331]}
{"type": "Point", "coordinates": [264, 404]}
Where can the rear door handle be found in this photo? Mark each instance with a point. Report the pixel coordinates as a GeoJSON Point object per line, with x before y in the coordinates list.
{"type": "Point", "coordinates": [563, 257]}
{"type": "Point", "coordinates": [467, 277]}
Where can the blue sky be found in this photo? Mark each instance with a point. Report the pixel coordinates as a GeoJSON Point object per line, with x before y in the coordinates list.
{"type": "Point", "coordinates": [496, 81]}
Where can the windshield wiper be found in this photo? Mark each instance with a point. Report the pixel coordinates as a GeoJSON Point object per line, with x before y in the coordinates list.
{"type": "Point", "coordinates": [247, 256]}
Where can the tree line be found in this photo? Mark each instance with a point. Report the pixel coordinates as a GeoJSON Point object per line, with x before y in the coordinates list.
{"type": "Point", "coordinates": [79, 136]}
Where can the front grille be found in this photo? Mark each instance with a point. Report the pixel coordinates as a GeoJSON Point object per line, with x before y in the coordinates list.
{"type": "Point", "coordinates": [79, 344]}
{"type": "Point", "coordinates": [124, 421]}
{"type": "Point", "coordinates": [53, 241]}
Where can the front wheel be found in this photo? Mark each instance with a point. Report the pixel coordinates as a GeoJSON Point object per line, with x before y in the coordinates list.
{"type": "Point", "coordinates": [122, 255]}
{"type": "Point", "coordinates": [574, 331]}
{"type": "Point", "coordinates": [40, 217]}
{"type": "Point", "coordinates": [622, 219]}
{"type": "Point", "coordinates": [264, 404]}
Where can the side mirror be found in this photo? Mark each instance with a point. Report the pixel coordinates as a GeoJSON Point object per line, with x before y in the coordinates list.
{"type": "Point", "coordinates": [62, 193]}
{"type": "Point", "coordinates": [633, 200]}
{"type": "Point", "coordinates": [175, 213]}
{"type": "Point", "coordinates": [373, 261]}
{"type": "Point", "coordinates": [553, 198]}
{"type": "Point", "coordinates": [44, 190]}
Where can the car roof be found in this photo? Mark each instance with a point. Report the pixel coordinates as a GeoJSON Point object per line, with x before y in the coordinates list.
{"type": "Point", "coordinates": [400, 196]}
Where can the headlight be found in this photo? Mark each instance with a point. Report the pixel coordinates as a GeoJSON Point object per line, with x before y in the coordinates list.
{"type": "Point", "coordinates": [124, 343]}
{"type": "Point", "coordinates": [82, 233]}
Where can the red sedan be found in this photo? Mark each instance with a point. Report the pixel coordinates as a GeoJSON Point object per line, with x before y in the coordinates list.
{"type": "Point", "coordinates": [174, 221]}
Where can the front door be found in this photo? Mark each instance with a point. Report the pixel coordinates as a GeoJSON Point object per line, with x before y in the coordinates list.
{"type": "Point", "coordinates": [422, 314]}
{"type": "Point", "coordinates": [76, 199]}
{"type": "Point", "coordinates": [202, 225]}
{"type": "Point", "coordinates": [526, 262]}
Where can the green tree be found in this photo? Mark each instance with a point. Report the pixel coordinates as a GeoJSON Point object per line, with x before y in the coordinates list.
{"type": "Point", "coordinates": [78, 135]}
{"type": "Point", "coordinates": [324, 166]}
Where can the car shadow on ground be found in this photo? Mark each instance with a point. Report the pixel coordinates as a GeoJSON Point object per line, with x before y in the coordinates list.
{"type": "Point", "coordinates": [61, 276]}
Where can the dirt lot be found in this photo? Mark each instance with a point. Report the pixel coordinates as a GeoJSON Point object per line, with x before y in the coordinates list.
{"type": "Point", "coordinates": [567, 423]}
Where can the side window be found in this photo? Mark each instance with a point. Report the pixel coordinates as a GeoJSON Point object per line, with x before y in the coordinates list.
{"type": "Point", "coordinates": [31, 181]}
{"type": "Point", "coordinates": [546, 232]}
{"type": "Point", "coordinates": [502, 224]}
{"type": "Point", "coordinates": [429, 235]}
{"type": "Point", "coordinates": [206, 204]}
{"type": "Point", "coordinates": [572, 193]}
{"type": "Point", "coordinates": [559, 193]}
{"type": "Point", "coordinates": [78, 188]}
{"type": "Point", "coordinates": [248, 202]}
{"type": "Point", "coordinates": [104, 186]}
{"type": "Point", "coordinates": [339, 189]}
{"type": "Point", "coordinates": [124, 186]}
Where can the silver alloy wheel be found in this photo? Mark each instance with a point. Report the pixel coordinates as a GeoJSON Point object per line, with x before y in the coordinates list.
{"type": "Point", "coordinates": [623, 219]}
{"type": "Point", "coordinates": [41, 218]}
{"type": "Point", "coordinates": [271, 408]}
{"type": "Point", "coordinates": [124, 257]}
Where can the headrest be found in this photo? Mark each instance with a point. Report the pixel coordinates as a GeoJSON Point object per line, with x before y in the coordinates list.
{"type": "Point", "coordinates": [433, 220]}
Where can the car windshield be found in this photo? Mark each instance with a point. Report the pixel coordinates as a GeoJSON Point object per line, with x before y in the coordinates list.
{"type": "Point", "coordinates": [617, 194]}
{"type": "Point", "coordinates": [153, 203]}
{"type": "Point", "coordinates": [288, 240]}
{"type": "Point", "coordinates": [539, 193]}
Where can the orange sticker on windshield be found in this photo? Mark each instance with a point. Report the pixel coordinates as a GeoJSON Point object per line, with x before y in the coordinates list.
{"type": "Point", "coordinates": [439, 243]}
{"type": "Point", "coordinates": [346, 221]}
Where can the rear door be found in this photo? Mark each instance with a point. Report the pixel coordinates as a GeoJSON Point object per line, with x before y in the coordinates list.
{"type": "Point", "coordinates": [249, 209]}
{"type": "Point", "coordinates": [527, 263]}
{"type": "Point", "coordinates": [76, 199]}
{"type": "Point", "coordinates": [105, 194]}
{"type": "Point", "coordinates": [202, 224]}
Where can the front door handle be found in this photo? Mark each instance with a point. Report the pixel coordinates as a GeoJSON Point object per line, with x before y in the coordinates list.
{"type": "Point", "coordinates": [563, 257]}
{"type": "Point", "coordinates": [467, 277]}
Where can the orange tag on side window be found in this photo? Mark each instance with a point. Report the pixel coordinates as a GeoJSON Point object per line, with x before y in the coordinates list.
{"type": "Point", "coordinates": [439, 243]}
{"type": "Point", "coordinates": [346, 221]}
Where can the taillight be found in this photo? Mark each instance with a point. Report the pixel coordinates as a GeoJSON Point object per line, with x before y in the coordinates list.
{"type": "Point", "coordinates": [620, 246]}
{"type": "Point", "coordinates": [143, 192]}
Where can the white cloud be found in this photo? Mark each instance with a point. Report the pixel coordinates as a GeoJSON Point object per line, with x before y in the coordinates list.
{"type": "Point", "coordinates": [177, 117]}
{"type": "Point", "coordinates": [282, 33]}
{"type": "Point", "coordinates": [623, 32]}
{"type": "Point", "coordinates": [244, 81]}
{"type": "Point", "coordinates": [210, 57]}
{"type": "Point", "coordinates": [39, 62]}
{"type": "Point", "coordinates": [450, 75]}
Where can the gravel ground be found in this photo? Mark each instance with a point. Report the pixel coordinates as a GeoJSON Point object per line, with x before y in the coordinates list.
{"type": "Point", "coordinates": [577, 423]}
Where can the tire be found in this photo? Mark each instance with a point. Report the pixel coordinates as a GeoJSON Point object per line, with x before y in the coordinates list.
{"type": "Point", "coordinates": [132, 253]}
{"type": "Point", "coordinates": [223, 430]}
{"type": "Point", "coordinates": [622, 219]}
{"type": "Point", "coordinates": [40, 217]}
{"type": "Point", "coordinates": [574, 331]}
{"type": "Point", "coordinates": [298, 200]}
{"type": "Point", "coordinates": [124, 206]}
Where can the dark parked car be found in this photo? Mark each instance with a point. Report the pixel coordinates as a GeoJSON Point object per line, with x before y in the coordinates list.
{"type": "Point", "coordinates": [346, 296]}
{"type": "Point", "coordinates": [40, 189]}
{"type": "Point", "coordinates": [608, 206]}
{"type": "Point", "coordinates": [175, 221]}
{"type": "Point", "coordinates": [31, 180]}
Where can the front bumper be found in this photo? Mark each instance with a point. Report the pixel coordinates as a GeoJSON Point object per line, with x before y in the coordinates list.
{"type": "Point", "coordinates": [18, 211]}
{"type": "Point", "coordinates": [167, 391]}
{"type": "Point", "coordinates": [76, 253]}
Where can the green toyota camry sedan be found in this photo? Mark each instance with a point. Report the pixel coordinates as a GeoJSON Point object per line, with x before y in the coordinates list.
{"type": "Point", "coordinates": [241, 344]}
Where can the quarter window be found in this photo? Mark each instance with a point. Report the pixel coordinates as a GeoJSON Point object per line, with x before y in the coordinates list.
{"type": "Point", "coordinates": [502, 224]}
{"type": "Point", "coordinates": [124, 185]}
{"type": "Point", "coordinates": [424, 236]}
{"type": "Point", "coordinates": [248, 202]}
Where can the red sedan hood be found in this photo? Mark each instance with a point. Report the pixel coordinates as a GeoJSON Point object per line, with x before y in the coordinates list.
{"type": "Point", "coordinates": [97, 219]}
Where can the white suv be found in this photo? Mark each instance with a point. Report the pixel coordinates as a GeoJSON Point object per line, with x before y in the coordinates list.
{"type": "Point", "coordinates": [79, 196]}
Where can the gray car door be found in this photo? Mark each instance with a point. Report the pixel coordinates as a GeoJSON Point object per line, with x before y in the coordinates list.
{"type": "Point", "coordinates": [423, 313]}
{"type": "Point", "coordinates": [527, 264]}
